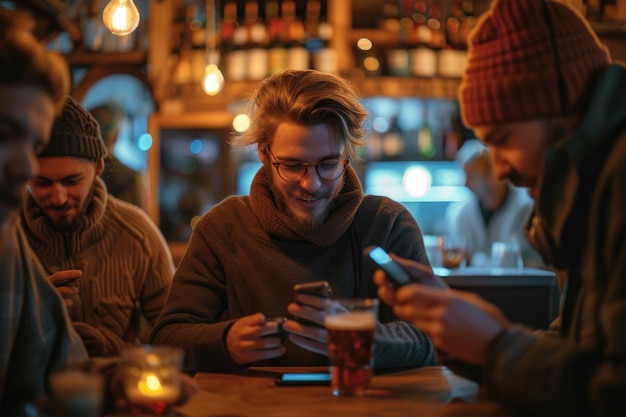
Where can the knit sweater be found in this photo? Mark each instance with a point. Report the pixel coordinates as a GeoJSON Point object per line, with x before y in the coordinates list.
{"type": "Point", "coordinates": [126, 265]}
{"type": "Point", "coordinates": [245, 255]}
{"type": "Point", "coordinates": [36, 336]}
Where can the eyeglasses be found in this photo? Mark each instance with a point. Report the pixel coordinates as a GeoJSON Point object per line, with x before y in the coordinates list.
{"type": "Point", "coordinates": [328, 169]}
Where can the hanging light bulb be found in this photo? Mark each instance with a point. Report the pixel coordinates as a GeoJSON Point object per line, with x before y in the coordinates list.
{"type": "Point", "coordinates": [213, 80]}
{"type": "Point", "coordinates": [121, 17]}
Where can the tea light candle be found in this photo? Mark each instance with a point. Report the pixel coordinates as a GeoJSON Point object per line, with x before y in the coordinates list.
{"type": "Point", "coordinates": [149, 389]}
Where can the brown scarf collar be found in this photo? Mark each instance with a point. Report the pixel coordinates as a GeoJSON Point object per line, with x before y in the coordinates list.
{"type": "Point", "coordinates": [277, 222]}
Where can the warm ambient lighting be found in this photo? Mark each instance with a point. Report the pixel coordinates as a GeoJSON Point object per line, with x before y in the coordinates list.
{"type": "Point", "coordinates": [121, 17]}
{"type": "Point", "coordinates": [213, 80]}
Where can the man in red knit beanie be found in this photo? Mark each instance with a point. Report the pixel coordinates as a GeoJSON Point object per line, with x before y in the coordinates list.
{"type": "Point", "coordinates": [541, 91]}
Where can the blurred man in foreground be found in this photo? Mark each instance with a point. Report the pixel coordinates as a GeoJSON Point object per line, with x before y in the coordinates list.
{"type": "Point", "coordinates": [540, 90]}
{"type": "Point", "coordinates": [36, 336]}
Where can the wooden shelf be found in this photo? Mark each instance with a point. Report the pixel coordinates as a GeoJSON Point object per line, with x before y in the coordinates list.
{"type": "Point", "coordinates": [398, 87]}
{"type": "Point", "coordinates": [379, 37]}
{"type": "Point", "coordinates": [83, 58]}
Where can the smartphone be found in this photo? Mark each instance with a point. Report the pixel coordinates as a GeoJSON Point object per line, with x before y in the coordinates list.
{"type": "Point", "coordinates": [303, 378]}
{"type": "Point", "coordinates": [282, 333]}
{"type": "Point", "coordinates": [66, 283]}
{"type": "Point", "coordinates": [392, 268]}
{"type": "Point", "coordinates": [317, 289]}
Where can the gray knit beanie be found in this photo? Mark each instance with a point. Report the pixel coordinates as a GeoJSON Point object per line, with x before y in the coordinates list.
{"type": "Point", "coordinates": [75, 133]}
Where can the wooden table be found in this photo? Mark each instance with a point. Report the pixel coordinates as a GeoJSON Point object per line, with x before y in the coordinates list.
{"type": "Point", "coordinates": [432, 391]}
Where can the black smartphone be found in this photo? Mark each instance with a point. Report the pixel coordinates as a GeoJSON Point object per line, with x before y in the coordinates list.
{"type": "Point", "coordinates": [67, 282]}
{"type": "Point", "coordinates": [303, 378]}
{"type": "Point", "coordinates": [393, 269]}
{"type": "Point", "coordinates": [282, 333]}
{"type": "Point", "coordinates": [318, 289]}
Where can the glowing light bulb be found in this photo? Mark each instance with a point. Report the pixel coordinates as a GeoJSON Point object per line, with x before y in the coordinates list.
{"type": "Point", "coordinates": [121, 17]}
{"type": "Point", "coordinates": [213, 80]}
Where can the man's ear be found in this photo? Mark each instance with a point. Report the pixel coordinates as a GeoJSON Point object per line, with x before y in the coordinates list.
{"type": "Point", "coordinates": [99, 166]}
{"type": "Point", "coordinates": [262, 156]}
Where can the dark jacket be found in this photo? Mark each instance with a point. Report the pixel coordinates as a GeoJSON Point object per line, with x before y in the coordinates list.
{"type": "Point", "coordinates": [580, 227]}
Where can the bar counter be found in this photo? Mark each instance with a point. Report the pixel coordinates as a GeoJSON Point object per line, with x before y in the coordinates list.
{"type": "Point", "coordinates": [431, 391]}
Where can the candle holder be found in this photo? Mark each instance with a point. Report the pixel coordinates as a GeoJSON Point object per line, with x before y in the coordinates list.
{"type": "Point", "coordinates": [152, 382]}
{"type": "Point", "coordinates": [76, 393]}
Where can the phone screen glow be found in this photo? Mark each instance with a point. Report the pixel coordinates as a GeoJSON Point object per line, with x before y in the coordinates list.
{"type": "Point", "coordinates": [306, 377]}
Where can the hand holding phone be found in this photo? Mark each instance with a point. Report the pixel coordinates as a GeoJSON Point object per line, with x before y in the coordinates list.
{"type": "Point", "coordinates": [279, 327]}
{"type": "Point", "coordinates": [320, 289]}
{"type": "Point", "coordinates": [392, 268]}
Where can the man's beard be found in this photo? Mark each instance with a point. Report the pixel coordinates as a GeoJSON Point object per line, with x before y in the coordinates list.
{"type": "Point", "coordinates": [64, 225]}
{"type": "Point", "coordinates": [73, 224]}
{"type": "Point", "coordinates": [309, 222]}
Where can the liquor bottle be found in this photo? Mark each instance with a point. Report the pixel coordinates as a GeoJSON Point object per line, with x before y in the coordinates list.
{"type": "Point", "coordinates": [196, 23]}
{"type": "Point", "coordinates": [393, 144]}
{"type": "Point", "coordinates": [398, 59]}
{"type": "Point", "coordinates": [311, 23]}
{"type": "Point", "coordinates": [423, 57]}
{"type": "Point", "coordinates": [293, 28]}
{"type": "Point", "coordinates": [325, 59]}
{"type": "Point", "coordinates": [277, 50]}
{"type": "Point", "coordinates": [437, 36]}
{"type": "Point", "coordinates": [237, 59]}
{"type": "Point", "coordinates": [227, 25]}
{"type": "Point", "coordinates": [257, 42]}
{"type": "Point", "coordinates": [452, 56]}
{"type": "Point", "coordinates": [425, 145]}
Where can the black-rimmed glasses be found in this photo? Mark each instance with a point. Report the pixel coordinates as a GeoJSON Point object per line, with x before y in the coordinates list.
{"type": "Point", "coordinates": [328, 169]}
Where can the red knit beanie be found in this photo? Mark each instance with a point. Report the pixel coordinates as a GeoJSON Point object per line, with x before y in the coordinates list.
{"type": "Point", "coordinates": [519, 53]}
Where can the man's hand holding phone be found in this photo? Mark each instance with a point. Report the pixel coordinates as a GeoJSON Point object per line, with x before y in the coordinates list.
{"type": "Point", "coordinates": [307, 330]}
{"type": "Point", "coordinates": [254, 338]}
{"type": "Point", "coordinates": [63, 281]}
{"type": "Point", "coordinates": [397, 272]}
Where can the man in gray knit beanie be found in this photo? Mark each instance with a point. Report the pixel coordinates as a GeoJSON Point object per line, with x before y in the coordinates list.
{"type": "Point", "coordinates": [90, 241]}
{"type": "Point", "coordinates": [75, 133]}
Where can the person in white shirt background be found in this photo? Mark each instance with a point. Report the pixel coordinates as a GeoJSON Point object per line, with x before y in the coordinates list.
{"type": "Point", "coordinates": [496, 211]}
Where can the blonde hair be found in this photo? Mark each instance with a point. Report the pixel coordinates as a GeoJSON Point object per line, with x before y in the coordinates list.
{"type": "Point", "coordinates": [308, 98]}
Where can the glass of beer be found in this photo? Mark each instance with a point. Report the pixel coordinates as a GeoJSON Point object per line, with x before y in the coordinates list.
{"type": "Point", "coordinates": [351, 326]}
{"type": "Point", "coordinates": [152, 381]}
{"type": "Point", "coordinates": [453, 251]}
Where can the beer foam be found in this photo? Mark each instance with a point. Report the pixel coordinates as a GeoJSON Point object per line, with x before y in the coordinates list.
{"type": "Point", "coordinates": [357, 320]}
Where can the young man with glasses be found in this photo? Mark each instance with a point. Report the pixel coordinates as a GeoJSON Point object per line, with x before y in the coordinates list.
{"type": "Point", "coordinates": [306, 220]}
